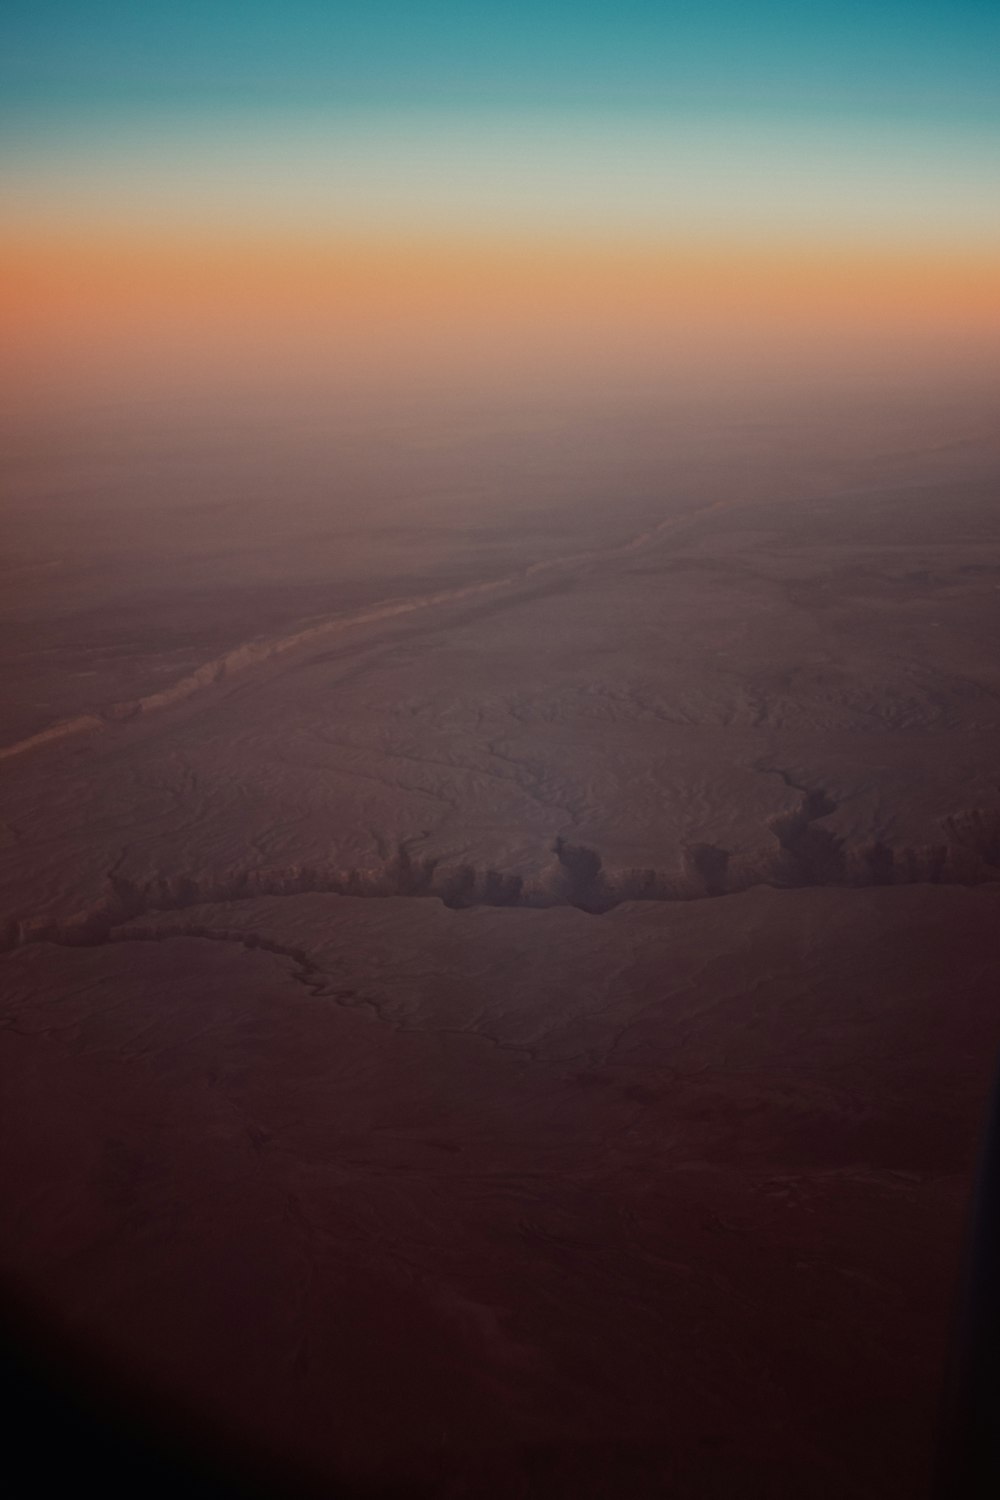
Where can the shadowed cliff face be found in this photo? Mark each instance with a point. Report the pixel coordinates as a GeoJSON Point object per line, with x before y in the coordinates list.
{"type": "Point", "coordinates": [803, 856]}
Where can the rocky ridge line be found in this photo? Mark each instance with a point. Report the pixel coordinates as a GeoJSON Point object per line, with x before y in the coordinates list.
{"type": "Point", "coordinates": [805, 854]}
{"type": "Point", "coordinates": [264, 649]}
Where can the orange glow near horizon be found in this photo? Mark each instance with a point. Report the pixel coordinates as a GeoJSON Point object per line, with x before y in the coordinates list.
{"type": "Point", "coordinates": [116, 299]}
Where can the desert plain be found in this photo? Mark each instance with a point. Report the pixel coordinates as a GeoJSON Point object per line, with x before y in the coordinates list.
{"type": "Point", "coordinates": [500, 911]}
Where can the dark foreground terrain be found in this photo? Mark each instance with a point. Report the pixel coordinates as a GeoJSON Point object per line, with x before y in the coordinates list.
{"type": "Point", "coordinates": [526, 1032]}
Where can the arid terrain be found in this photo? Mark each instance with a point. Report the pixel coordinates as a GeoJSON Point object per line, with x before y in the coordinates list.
{"type": "Point", "coordinates": [500, 981]}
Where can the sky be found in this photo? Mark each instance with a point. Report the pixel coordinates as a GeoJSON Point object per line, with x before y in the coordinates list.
{"type": "Point", "coordinates": [446, 181]}
{"type": "Point", "coordinates": [921, 58]}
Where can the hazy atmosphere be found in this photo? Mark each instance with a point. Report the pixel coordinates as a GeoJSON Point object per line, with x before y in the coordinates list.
{"type": "Point", "coordinates": [499, 807]}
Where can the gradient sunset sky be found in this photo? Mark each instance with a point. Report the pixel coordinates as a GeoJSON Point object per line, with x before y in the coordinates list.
{"type": "Point", "coordinates": [449, 181]}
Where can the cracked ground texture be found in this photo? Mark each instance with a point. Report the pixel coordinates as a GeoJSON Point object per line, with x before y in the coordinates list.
{"type": "Point", "coordinates": [527, 1034]}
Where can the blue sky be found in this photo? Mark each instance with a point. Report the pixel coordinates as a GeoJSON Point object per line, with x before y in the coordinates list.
{"type": "Point", "coordinates": [919, 59]}
{"type": "Point", "coordinates": [858, 121]}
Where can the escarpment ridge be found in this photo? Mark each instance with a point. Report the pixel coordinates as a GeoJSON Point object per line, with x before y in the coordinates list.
{"type": "Point", "coordinates": [801, 854]}
{"type": "Point", "coordinates": [255, 653]}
